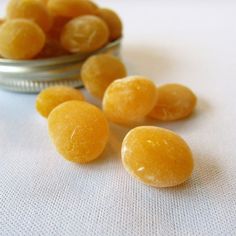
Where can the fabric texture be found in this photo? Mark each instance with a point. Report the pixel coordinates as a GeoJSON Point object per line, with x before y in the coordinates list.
{"type": "Point", "coordinates": [188, 42]}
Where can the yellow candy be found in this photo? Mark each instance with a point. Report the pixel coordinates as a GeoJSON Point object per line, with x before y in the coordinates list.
{"type": "Point", "coordinates": [129, 100]}
{"type": "Point", "coordinates": [99, 71]}
{"type": "Point", "coordinates": [113, 21]}
{"type": "Point", "coordinates": [175, 102]}
{"type": "Point", "coordinates": [51, 97]}
{"type": "Point", "coordinates": [79, 131]}
{"type": "Point", "coordinates": [71, 8]}
{"type": "Point", "coordinates": [30, 9]}
{"type": "Point", "coordinates": [20, 39]}
{"type": "Point", "coordinates": [84, 34]}
{"type": "Point", "coordinates": [156, 156]}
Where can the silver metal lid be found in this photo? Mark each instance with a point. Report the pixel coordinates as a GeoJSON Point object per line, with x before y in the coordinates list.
{"type": "Point", "coordinates": [31, 76]}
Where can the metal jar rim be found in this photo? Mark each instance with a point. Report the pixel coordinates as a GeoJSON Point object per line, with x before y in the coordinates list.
{"type": "Point", "coordinates": [32, 76]}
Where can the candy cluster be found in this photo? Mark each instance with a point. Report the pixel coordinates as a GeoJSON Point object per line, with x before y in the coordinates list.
{"type": "Point", "coordinates": [42, 29]}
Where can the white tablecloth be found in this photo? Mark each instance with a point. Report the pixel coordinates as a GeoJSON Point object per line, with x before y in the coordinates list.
{"type": "Point", "coordinates": [189, 42]}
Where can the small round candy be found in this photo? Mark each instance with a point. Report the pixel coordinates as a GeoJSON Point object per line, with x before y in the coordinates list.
{"type": "Point", "coordinates": [113, 21]}
{"type": "Point", "coordinates": [51, 97]}
{"type": "Point", "coordinates": [175, 102]}
{"type": "Point", "coordinates": [71, 8]}
{"type": "Point", "coordinates": [20, 39]}
{"type": "Point", "coordinates": [84, 34]}
{"type": "Point", "coordinates": [30, 9]}
{"type": "Point", "coordinates": [157, 157]}
{"type": "Point", "coordinates": [129, 100]}
{"type": "Point", "coordinates": [99, 71]}
{"type": "Point", "coordinates": [79, 131]}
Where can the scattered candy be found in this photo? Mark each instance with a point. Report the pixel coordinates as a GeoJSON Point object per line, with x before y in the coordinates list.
{"type": "Point", "coordinates": [175, 102]}
{"type": "Point", "coordinates": [79, 131]}
{"type": "Point", "coordinates": [156, 156]}
{"type": "Point", "coordinates": [129, 100]}
{"type": "Point", "coordinates": [51, 97]}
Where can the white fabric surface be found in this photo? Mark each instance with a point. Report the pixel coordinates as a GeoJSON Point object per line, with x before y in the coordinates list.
{"type": "Point", "coordinates": [190, 42]}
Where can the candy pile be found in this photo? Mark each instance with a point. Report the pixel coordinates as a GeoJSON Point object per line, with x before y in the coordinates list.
{"type": "Point", "coordinates": [44, 29]}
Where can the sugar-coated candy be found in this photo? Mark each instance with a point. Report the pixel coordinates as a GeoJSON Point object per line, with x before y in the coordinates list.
{"type": "Point", "coordinates": [127, 101]}
{"type": "Point", "coordinates": [20, 39]}
{"type": "Point", "coordinates": [113, 21]}
{"type": "Point", "coordinates": [71, 8]}
{"type": "Point", "coordinates": [79, 131]}
{"type": "Point", "coordinates": [84, 34]}
{"type": "Point", "coordinates": [51, 97]}
{"type": "Point", "coordinates": [175, 102]}
{"type": "Point", "coordinates": [30, 9]}
{"type": "Point", "coordinates": [99, 71]}
{"type": "Point", "coordinates": [157, 157]}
